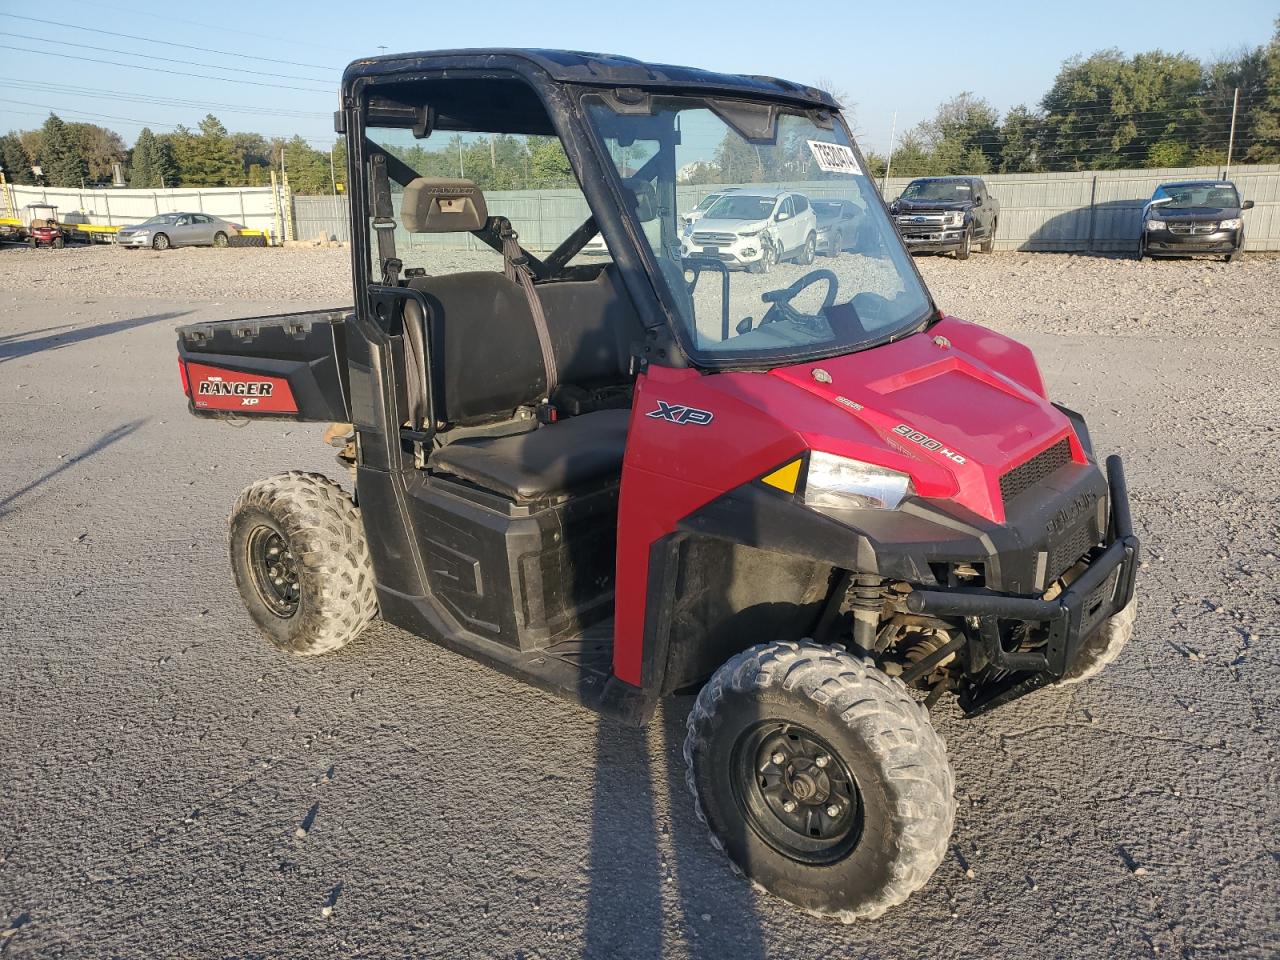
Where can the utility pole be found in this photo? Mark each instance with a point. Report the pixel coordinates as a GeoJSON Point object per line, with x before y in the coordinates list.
{"type": "Point", "coordinates": [462, 173]}
{"type": "Point", "coordinates": [1231, 140]}
{"type": "Point", "coordinates": [888, 161]}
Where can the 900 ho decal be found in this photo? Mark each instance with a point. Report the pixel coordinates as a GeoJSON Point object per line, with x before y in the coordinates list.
{"type": "Point", "coordinates": [681, 414]}
{"type": "Point", "coordinates": [213, 388]}
{"type": "Point", "coordinates": [915, 436]}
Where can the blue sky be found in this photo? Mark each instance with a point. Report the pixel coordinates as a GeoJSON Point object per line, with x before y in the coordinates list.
{"type": "Point", "coordinates": [887, 57]}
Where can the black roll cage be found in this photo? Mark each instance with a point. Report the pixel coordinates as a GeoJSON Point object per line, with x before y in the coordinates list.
{"type": "Point", "coordinates": [557, 80]}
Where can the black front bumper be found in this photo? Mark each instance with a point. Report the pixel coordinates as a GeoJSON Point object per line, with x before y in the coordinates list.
{"type": "Point", "coordinates": [1185, 244]}
{"type": "Point", "coordinates": [1102, 590]}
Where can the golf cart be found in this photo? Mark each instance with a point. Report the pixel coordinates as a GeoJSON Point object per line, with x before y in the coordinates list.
{"type": "Point", "coordinates": [42, 226]}
{"type": "Point", "coordinates": [809, 494]}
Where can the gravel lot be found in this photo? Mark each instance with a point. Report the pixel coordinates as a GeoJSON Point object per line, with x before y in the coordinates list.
{"type": "Point", "coordinates": [172, 787]}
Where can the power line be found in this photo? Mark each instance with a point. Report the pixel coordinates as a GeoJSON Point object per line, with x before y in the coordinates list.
{"type": "Point", "coordinates": [170, 19]}
{"type": "Point", "coordinates": [148, 56]}
{"type": "Point", "coordinates": [176, 73]}
{"type": "Point", "coordinates": [210, 105]}
{"type": "Point", "coordinates": [167, 43]}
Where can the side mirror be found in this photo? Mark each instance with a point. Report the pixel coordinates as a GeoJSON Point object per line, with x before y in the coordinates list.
{"type": "Point", "coordinates": [744, 325]}
{"type": "Point", "coordinates": [1247, 205]}
{"type": "Point", "coordinates": [977, 201]}
{"type": "Point", "coordinates": [782, 216]}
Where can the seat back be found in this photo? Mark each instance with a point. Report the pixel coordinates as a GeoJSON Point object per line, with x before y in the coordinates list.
{"type": "Point", "coordinates": [484, 346]}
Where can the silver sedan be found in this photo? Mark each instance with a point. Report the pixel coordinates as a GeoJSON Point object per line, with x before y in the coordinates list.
{"type": "Point", "coordinates": [179, 230]}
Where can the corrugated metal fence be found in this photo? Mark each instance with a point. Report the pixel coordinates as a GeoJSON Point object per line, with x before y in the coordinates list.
{"type": "Point", "coordinates": [1095, 211]}
{"type": "Point", "coordinates": [251, 206]}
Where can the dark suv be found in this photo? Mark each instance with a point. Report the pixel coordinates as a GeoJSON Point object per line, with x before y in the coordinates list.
{"type": "Point", "coordinates": [1193, 216]}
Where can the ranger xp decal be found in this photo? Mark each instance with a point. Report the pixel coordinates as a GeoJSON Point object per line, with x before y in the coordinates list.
{"type": "Point", "coordinates": [214, 388]}
{"type": "Point", "coordinates": [915, 436]}
{"type": "Point", "coordinates": [678, 414]}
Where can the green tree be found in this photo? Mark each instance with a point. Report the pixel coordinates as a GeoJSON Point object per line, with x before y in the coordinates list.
{"type": "Point", "coordinates": [207, 158]}
{"type": "Point", "coordinates": [1020, 142]}
{"type": "Point", "coordinates": [102, 150]}
{"type": "Point", "coordinates": [61, 157]}
{"type": "Point", "coordinates": [308, 169]}
{"type": "Point", "coordinates": [548, 164]}
{"type": "Point", "coordinates": [14, 159]}
{"type": "Point", "coordinates": [1263, 130]}
{"type": "Point", "coordinates": [142, 160]}
{"type": "Point", "coordinates": [962, 137]}
{"type": "Point", "coordinates": [1108, 111]}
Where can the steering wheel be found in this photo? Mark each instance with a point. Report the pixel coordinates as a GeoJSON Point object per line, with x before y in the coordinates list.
{"type": "Point", "coordinates": [780, 300]}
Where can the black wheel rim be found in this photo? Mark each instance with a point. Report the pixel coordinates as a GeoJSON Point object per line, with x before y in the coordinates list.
{"type": "Point", "coordinates": [275, 571]}
{"type": "Point", "coordinates": [796, 792]}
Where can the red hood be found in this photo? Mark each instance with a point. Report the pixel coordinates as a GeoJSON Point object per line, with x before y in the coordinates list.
{"type": "Point", "coordinates": [956, 407]}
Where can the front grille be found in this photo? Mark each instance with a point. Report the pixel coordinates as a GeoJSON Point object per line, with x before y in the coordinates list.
{"type": "Point", "coordinates": [1070, 549]}
{"type": "Point", "coordinates": [1025, 476]}
{"type": "Point", "coordinates": [910, 220]}
{"type": "Point", "coordinates": [1193, 228]}
{"type": "Point", "coordinates": [714, 237]}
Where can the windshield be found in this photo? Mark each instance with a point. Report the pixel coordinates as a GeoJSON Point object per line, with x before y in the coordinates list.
{"type": "Point", "coordinates": [707, 201]}
{"type": "Point", "coordinates": [826, 209]}
{"type": "Point", "coordinates": [750, 291]}
{"type": "Point", "coordinates": [938, 190]}
{"type": "Point", "coordinates": [742, 207]}
{"type": "Point", "coordinates": [1189, 196]}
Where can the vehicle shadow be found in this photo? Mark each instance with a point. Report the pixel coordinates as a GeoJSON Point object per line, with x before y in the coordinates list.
{"type": "Point", "coordinates": [16, 345]}
{"type": "Point", "coordinates": [109, 438]}
{"type": "Point", "coordinates": [654, 878]}
{"type": "Point", "coordinates": [1107, 229]}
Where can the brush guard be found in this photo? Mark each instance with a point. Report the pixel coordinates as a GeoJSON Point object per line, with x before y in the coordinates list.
{"type": "Point", "coordinates": [1104, 588]}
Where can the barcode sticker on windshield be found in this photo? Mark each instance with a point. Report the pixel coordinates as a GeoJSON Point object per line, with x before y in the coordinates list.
{"type": "Point", "coordinates": [835, 158]}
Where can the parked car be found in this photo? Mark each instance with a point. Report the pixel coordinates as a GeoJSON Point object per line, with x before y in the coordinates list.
{"type": "Point", "coordinates": [941, 214]}
{"type": "Point", "coordinates": [1193, 216]}
{"type": "Point", "coordinates": [179, 230]}
{"type": "Point", "coordinates": [838, 222]}
{"type": "Point", "coordinates": [705, 204]}
{"type": "Point", "coordinates": [755, 230]}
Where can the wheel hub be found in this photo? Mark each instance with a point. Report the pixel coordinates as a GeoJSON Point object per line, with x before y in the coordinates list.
{"type": "Point", "coordinates": [797, 793]}
{"type": "Point", "coordinates": [275, 571]}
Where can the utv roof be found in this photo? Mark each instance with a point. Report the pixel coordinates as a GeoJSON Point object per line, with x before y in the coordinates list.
{"type": "Point", "coordinates": [595, 69]}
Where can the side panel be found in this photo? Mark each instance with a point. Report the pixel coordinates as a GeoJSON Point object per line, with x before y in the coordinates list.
{"type": "Point", "coordinates": [690, 440]}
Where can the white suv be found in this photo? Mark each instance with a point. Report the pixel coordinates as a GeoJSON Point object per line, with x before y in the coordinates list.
{"type": "Point", "coordinates": [755, 229]}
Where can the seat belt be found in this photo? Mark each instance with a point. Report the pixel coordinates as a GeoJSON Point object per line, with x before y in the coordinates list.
{"type": "Point", "coordinates": [516, 267]}
{"type": "Point", "coordinates": [384, 223]}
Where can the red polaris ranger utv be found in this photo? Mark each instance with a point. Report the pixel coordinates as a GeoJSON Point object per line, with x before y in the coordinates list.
{"type": "Point", "coordinates": [807, 492]}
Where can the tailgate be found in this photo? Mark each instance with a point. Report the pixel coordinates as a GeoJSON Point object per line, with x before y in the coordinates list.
{"type": "Point", "coordinates": [289, 366]}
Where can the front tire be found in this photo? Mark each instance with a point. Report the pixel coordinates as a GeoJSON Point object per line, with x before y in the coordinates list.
{"type": "Point", "coordinates": [847, 838]}
{"type": "Point", "coordinates": [160, 241]}
{"type": "Point", "coordinates": [766, 261]}
{"type": "Point", "coordinates": [966, 244]}
{"type": "Point", "coordinates": [1104, 645]}
{"type": "Point", "coordinates": [300, 560]}
{"type": "Point", "coordinates": [1142, 248]}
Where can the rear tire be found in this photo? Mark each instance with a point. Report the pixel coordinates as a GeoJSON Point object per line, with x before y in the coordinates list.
{"type": "Point", "coordinates": [300, 560]}
{"type": "Point", "coordinates": [808, 251]}
{"type": "Point", "coordinates": [160, 241]}
{"type": "Point", "coordinates": [219, 239]}
{"type": "Point", "coordinates": [32, 242]}
{"type": "Point", "coordinates": [59, 243]}
{"type": "Point", "coordinates": [867, 828]}
{"type": "Point", "coordinates": [1102, 648]}
{"type": "Point", "coordinates": [989, 243]}
{"type": "Point", "coordinates": [966, 245]}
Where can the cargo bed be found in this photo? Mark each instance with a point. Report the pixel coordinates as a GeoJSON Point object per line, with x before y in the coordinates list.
{"type": "Point", "coordinates": [290, 366]}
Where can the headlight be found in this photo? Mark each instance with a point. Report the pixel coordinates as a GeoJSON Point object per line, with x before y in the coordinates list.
{"type": "Point", "coordinates": [1235, 223]}
{"type": "Point", "coordinates": [841, 483]}
{"type": "Point", "coordinates": [1155, 225]}
{"type": "Point", "coordinates": [955, 219]}
{"type": "Point", "coordinates": [688, 228]}
{"type": "Point", "coordinates": [751, 233]}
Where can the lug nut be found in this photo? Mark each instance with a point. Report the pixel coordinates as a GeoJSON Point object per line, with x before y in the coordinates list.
{"type": "Point", "coordinates": [273, 551]}
{"type": "Point", "coordinates": [779, 757]}
{"type": "Point", "coordinates": [833, 811]}
{"type": "Point", "coordinates": [279, 581]}
{"type": "Point", "coordinates": [822, 761]}
{"type": "Point", "coordinates": [789, 806]}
